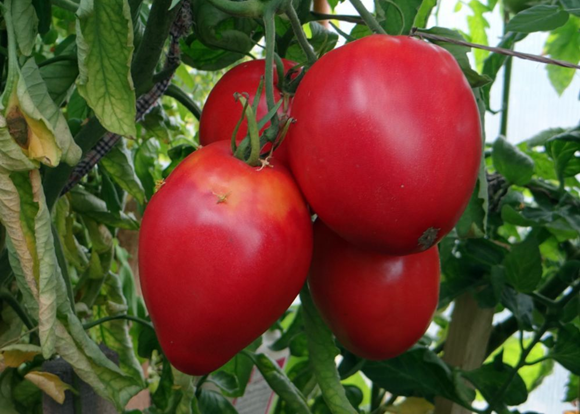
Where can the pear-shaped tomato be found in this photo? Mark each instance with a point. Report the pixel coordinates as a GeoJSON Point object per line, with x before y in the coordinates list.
{"type": "Point", "coordinates": [221, 112]}
{"type": "Point", "coordinates": [224, 249]}
{"type": "Point", "coordinates": [378, 306]}
{"type": "Point", "coordinates": [387, 142]}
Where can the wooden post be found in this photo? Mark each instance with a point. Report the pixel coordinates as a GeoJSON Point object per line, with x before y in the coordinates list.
{"type": "Point", "coordinates": [466, 343]}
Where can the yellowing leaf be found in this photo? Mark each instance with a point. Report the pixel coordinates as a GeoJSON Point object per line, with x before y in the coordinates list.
{"type": "Point", "coordinates": [52, 385]}
{"type": "Point", "coordinates": [16, 355]}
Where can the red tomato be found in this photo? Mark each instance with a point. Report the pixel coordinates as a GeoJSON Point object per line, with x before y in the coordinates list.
{"type": "Point", "coordinates": [221, 112]}
{"type": "Point", "coordinates": [224, 249]}
{"type": "Point", "coordinates": [387, 142]}
{"type": "Point", "coordinates": [377, 305]}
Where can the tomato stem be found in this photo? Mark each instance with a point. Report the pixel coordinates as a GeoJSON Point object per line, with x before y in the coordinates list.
{"type": "Point", "coordinates": [270, 28]}
{"type": "Point", "coordinates": [236, 129]}
{"type": "Point", "coordinates": [253, 131]}
{"type": "Point", "coordinates": [248, 8]}
{"type": "Point", "coordinates": [368, 17]}
{"type": "Point", "coordinates": [300, 35]}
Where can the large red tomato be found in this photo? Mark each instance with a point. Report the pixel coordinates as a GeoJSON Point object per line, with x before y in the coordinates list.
{"type": "Point", "coordinates": [377, 305]}
{"type": "Point", "coordinates": [387, 142]}
{"type": "Point", "coordinates": [222, 112]}
{"type": "Point", "coordinates": [224, 249]}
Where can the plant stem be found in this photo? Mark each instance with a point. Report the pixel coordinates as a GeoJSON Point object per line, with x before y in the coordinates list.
{"type": "Point", "coordinates": [341, 17]}
{"type": "Point", "coordinates": [507, 74]}
{"type": "Point", "coordinates": [68, 5]}
{"type": "Point", "coordinates": [92, 324]}
{"type": "Point", "coordinates": [299, 33]}
{"type": "Point", "coordinates": [270, 28]}
{"type": "Point", "coordinates": [248, 8]}
{"type": "Point", "coordinates": [368, 17]}
{"type": "Point", "coordinates": [63, 268]}
{"type": "Point", "coordinates": [522, 361]}
{"type": "Point", "coordinates": [180, 96]}
{"type": "Point", "coordinates": [6, 296]}
{"type": "Point", "coordinates": [569, 296]}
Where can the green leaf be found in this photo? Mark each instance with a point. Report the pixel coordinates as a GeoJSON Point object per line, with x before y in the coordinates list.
{"type": "Point", "coordinates": [174, 3]}
{"type": "Point", "coordinates": [25, 24]}
{"type": "Point", "coordinates": [566, 350]}
{"type": "Point", "coordinates": [489, 378]}
{"type": "Point", "coordinates": [280, 384]}
{"type": "Point", "coordinates": [523, 265]}
{"type": "Point", "coordinates": [572, 388]}
{"type": "Point", "coordinates": [105, 48]}
{"type": "Point", "coordinates": [44, 13]}
{"type": "Point", "coordinates": [322, 351]}
{"type": "Point", "coordinates": [563, 44]}
{"type": "Point", "coordinates": [59, 78]}
{"type": "Point", "coordinates": [211, 402]}
{"type": "Point", "coordinates": [6, 400]}
{"type": "Point", "coordinates": [521, 305]}
{"type": "Point", "coordinates": [119, 164]}
{"type": "Point", "coordinates": [418, 372]}
{"type": "Point", "coordinates": [544, 136]}
{"type": "Point", "coordinates": [424, 12]}
{"type": "Point", "coordinates": [359, 31]}
{"type": "Point", "coordinates": [240, 367]}
{"type": "Point", "coordinates": [460, 55]}
{"type": "Point", "coordinates": [516, 166]}
{"type": "Point", "coordinates": [86, 203]}
{"type": "Point", "coordinates": [397, 16]}
{"type": "Point", "coordinates": [510, 215]}
{"type": "Point", "coordinates": [478, 24]}
{"type": "Point", "coordinates": [225, 381]}
{"type": "Point", "coordinates": [539, 18]}
{"type": "Point", "coordinates": [188, 402]}
{"type": "Point", "coordinates": [115, 334]}
{"type": "Point", "coordinates": [571, 6]}
{"type": "Point", "coordinates": [145, 158]}
{"type": "Point", "coordinates": [321, 39]}
{"type": "Point", "coordinates": [563, 150]}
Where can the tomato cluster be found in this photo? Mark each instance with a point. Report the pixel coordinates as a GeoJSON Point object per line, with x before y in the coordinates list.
{"type": "Point", "coordinates": [385, 150]}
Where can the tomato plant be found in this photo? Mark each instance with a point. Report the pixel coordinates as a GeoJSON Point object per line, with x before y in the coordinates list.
{"type": "Point", "coordinates": [377, 131]}
{"type": "Point", "coordinates": [224, 249]}
{"type": "Point", "coordinates": [377, 305]}
{"type": "Point", "coordinates": [221, 111]}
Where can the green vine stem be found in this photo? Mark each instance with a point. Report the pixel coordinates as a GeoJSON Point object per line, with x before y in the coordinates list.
{"type": "Point", "coordinates": [253, 131]}
{"type": "Point", "coordinates": [341, 17]}
{"type": "Point", "coordinates": [270, 28]}
{"type": "Point", "coordinates": [6, 296]}
{"type": "Point", "coordinates": [68, 5]}
{"type": "Point", "coordinates": [183, 98]}
{"type": "Point", "coordinates": [234, 144]}
{"type": "Point", "coordinates": [507, 75]}
{"type": "Point", "coordinates": [100, 321]}
{"type": "Point", "coordinates": [300, 35]}
{"type": "Point", "coordinates": [368, 17]}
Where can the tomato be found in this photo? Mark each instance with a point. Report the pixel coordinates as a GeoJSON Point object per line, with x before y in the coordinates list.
{"type": "Point", "coordinates": [222, 112]}
{"type": "Point", "coordinates": [224, 249]}
{"type": "Point", "coordinates": [387, 142]}
{"type": "Point", "coordinates": [377, 305]}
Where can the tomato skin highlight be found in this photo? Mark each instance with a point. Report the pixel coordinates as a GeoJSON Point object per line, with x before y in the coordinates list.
{"type": "Point", "coordinates": [221, 112]}
{"type": "Point", "coordinates": [223, 251]}
{"type": "Point", "coordinates": [387, 142]}
{"type": "Point", "coordinates": [377, 305]}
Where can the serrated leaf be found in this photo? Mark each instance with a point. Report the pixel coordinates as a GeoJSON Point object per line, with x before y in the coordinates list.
{"type": "Point", "coordinates": [86, 203]}
{"type": "Point", "coordinates": [225, 381]}
{"type": "Point", "coordinates": [521, 305]}
{"type": "Point", "coordinates": [321, 39]}
{"type": "Point", "coordinates": [538, 18]}
{"type": "Point", "coordinates": [489, 378]}
{"type": "Point", "coordinates": [50, 384]}
{"type": "Point", "coordinates": [478, 25]}
{"type": "Point", "coordinates": [516, 166]}
{"type": "Point", "coordinates": [17, 354]}
{"type": "Point", "coordinates": [322, 351]}
{"type": "Point", "coordinates": [424, 12]}
{"type": "Point", "coordinates": [563, 44]}
{"type": "Point", "coordinates": [566, 350]}
{"type": "Point", "coordinates": [523, 265]}
{"type": "Point", "coordinates": [119, 164]}
{"type": "Point", "coordinates": [188, 402]}
{"type": "Point", "coordinates": [544, 136]}
{"type": "Point", "coordinates": [572, 388]}
{"type": "Point", "coordinates": [25, 24]}
{"type": "Point", "coordinates": [105, 49]}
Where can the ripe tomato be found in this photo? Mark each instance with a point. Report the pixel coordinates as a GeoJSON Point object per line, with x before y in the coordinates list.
{"type": "Point", "coordinates": [387, 143]}
{"type": "Point", "coordinates": [221, 112]}
{"type": "Point", "coordinates": [224, 249]}
{"type": "Point", "coordinates": [377, 305]}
